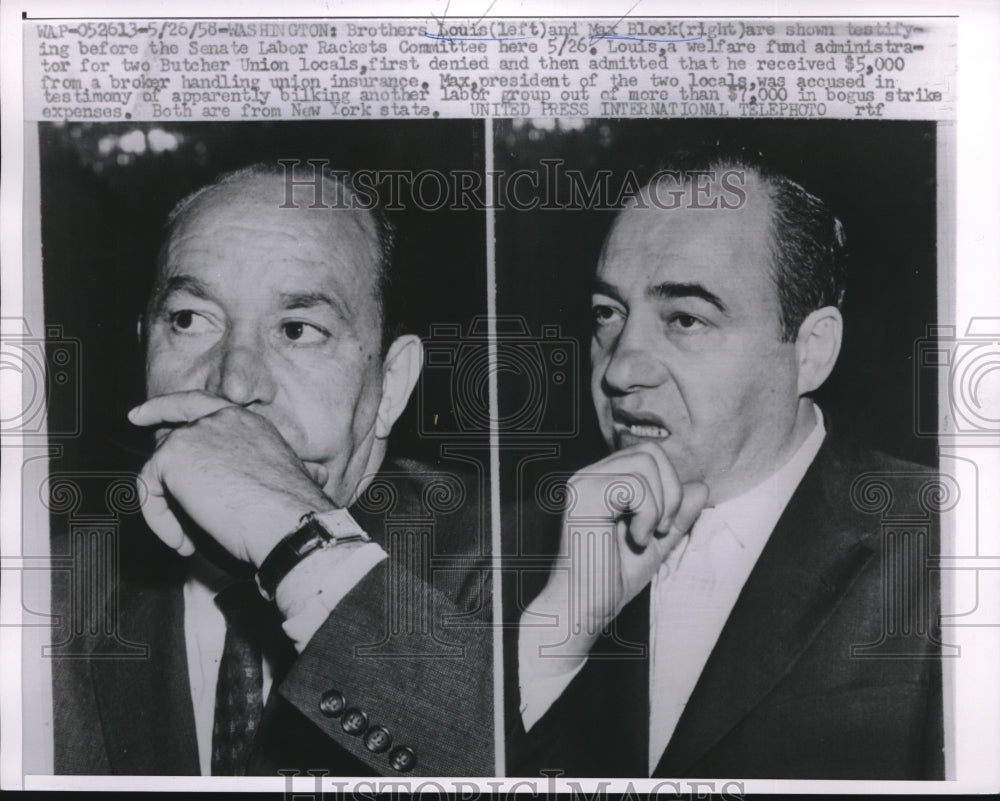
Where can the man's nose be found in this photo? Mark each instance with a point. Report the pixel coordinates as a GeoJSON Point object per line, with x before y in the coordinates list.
{"type": "Point", "coordinates": [634, 361]}
{"type": "Point", "coordinates": [242, 375]}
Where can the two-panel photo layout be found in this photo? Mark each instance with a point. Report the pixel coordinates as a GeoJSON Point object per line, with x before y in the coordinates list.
{"type": "Point", "coordinates": [459, 448]}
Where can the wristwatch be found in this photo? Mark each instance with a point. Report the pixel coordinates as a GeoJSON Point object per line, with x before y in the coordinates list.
{"type": "Point", "coordinates": [316, 531]}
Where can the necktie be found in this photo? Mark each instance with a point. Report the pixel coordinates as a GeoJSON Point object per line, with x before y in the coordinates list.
{"type": "Point", "coordinates": [239, 701]}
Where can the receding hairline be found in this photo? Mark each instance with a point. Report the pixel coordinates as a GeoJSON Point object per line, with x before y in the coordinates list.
{"type": "Point", "coordinates": [250, 189]}
{"type": "Point", "coordinates": [252, 186]}
{"type": "Point", "coordinates": [255, 187]}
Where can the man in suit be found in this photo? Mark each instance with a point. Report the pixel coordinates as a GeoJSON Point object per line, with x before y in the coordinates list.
{"type": "Point", "coordinates": [275, 370]}
{"type": "Point", "coordinates": [726, 601]}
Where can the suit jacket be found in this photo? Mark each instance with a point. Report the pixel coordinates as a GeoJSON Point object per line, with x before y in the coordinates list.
{"type": "Point", "coordinates": [409, 646]}
{"type": "Point", "coordinates": [828, 666]}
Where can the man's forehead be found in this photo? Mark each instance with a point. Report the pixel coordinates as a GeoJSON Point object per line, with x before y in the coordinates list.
{"type": "Point", "coordinates": [693, 234]}
{"type": "Point", "coordinates": [246, 219]}
{"type": "Point", "coordinates": [723, 253]}
{"type": "Point", "coordinates": [262, 200]}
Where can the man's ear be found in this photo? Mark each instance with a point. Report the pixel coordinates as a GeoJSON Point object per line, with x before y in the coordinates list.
{"type": "Point", "coordinates": [400, 371]}
{"type": "Point", "coordinates": [817, 347]}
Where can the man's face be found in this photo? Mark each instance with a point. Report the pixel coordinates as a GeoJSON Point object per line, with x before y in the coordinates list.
{"type": "Point", "coordinates": [686, 349]}
{"type": "Point", "coordinates": [275, 310]}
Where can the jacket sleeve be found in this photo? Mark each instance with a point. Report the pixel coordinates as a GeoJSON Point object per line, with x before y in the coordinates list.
{"type": "Point", "coordinates": [400, 673]}
{"type": "Point", "coordinates": [599, 725]}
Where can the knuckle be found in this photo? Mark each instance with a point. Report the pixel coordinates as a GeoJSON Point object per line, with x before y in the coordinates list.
{"type": "Point", "coordinates": [641, 459]}
{"type": "Point", "coordinates": [143, 479]}
{"type": "Point", "coordinates": [226, 413]}
{"type": "Point", "coordinates": [227, 417]}
{"type": "Point", "coordinates": [671, 504]}
{"type": "Point", "coordinates": [641, 488]}
{"type": "Point", "coordinates": [166, 439]}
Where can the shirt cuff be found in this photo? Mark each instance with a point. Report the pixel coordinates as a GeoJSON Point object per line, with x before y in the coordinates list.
{"type": "Point", "coordinates": [327, 576]}
{"type": "Point", "coordinates": [538, 692]}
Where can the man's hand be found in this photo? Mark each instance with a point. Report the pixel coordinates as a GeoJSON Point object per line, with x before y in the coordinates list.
{"type": "Point", "coordinates": [229, 470]}
{"type": "Point", "coordinates": [625, 514]}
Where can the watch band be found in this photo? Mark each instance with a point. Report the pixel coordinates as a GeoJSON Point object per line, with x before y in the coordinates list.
{"type": "Point", "coordinates": [314, 532]}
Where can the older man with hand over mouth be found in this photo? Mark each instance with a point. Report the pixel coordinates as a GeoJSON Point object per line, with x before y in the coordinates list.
{"type": "Point", "coordinates": [275, 370]}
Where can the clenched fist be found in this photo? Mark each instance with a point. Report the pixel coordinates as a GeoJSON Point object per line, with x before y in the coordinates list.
{"type": "Point", "coordinates": [229, 470]}
{"type": "Point", "coordinates": [625, 514]}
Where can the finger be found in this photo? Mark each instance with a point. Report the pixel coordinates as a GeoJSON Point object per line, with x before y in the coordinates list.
{"type": "Point", "coordinates": [630, 497]}
{"type": "Point", "coordinates": [318, 473]}
{"type": "Point", "coordinates": [646, 511]}
{"type": "Point", "coordinates": [642, 523]}
{"type": "Point", "coordinates": [694, 500]}
{"type": "Point", "coordinates": [653, 468]}
{"type": "Point", "coordinates": [627, 484]}
{"type": "Point", "coordinates": [695, 496]}
{"type": "Point", "coordinates": [158, 515]}
{"type": "Point", "coordinates": [162, 433]}
{"type": "Point", "coordinates": [668, 487]}
{"type": "Point", "coordinates": [177, 407]}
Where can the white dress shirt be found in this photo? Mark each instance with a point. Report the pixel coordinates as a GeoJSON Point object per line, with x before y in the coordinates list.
{"type": "Point", "coordinates": [205, 626]}
{"type": "Point", "coordinates": [691, 597]}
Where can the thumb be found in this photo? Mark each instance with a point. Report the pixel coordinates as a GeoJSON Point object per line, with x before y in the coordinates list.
{"type": "Point", "coordinates": [159, 517]}
{"type": "Point", "coordinates": [692, 502]}
{"type": "Point", "coordinates": [694, 496]}
{"type": "Point", "coordinates": [317, 473]}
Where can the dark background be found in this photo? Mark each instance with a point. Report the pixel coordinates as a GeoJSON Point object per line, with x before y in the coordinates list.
{"type": "Point", "coordinates": [879, 179]}
{"type": "Point", "coordinates": [103, 205]}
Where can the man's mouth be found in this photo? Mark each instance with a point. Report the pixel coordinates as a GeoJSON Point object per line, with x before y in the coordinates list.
{"type": "Point", "coordinates": [647, 432]}
{"type": "Point", "coordinates": [641, 425]}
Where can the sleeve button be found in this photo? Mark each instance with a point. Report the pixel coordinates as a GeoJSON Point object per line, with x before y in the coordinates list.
{"type": "Point", "coordinates": [354, 722]}
{"type": "Point", "coordinates": [402, 758]}
{"type": "Point", "coordinates": [332, 703]}
{"type": "Point", "coordinates": [378, 739]}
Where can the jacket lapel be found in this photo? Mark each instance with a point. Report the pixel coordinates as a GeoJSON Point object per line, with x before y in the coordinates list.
{"type": "Point", "coordinates": [810, 559]}
{"type": "Point", "coordinates": [145, 706]}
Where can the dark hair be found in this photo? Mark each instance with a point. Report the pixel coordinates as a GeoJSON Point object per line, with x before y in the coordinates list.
{"type": "Point", "coordinates": [390, 292]}
{"type": "Point", "coordinates": [808, 246]}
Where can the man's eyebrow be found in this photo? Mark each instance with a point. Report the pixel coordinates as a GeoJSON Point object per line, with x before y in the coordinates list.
{"type": "Point", "coordinates": [672, 289]}
{"type": "Point", "coordinates": [309, 300]}
{"type": "Point", "coordinates": [183, 283]}
{"type": "Point", "coordinates": [599, 287]}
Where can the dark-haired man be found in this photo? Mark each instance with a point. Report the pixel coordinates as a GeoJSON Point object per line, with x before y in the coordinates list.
{"type": "Point", "coordinates": [719, 588]}
{"type": "Point", "coordinates": [274, 375]}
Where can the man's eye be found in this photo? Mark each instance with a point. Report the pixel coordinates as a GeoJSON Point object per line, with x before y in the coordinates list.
{"type": "Point", "coordinates": [187, 321]}
{"type": "Point", "coordinates": [603, 315]}
{"type": "Point", "coordinates": [685, 322]}
{"type": "Point", "coordinates": [298, 331]}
